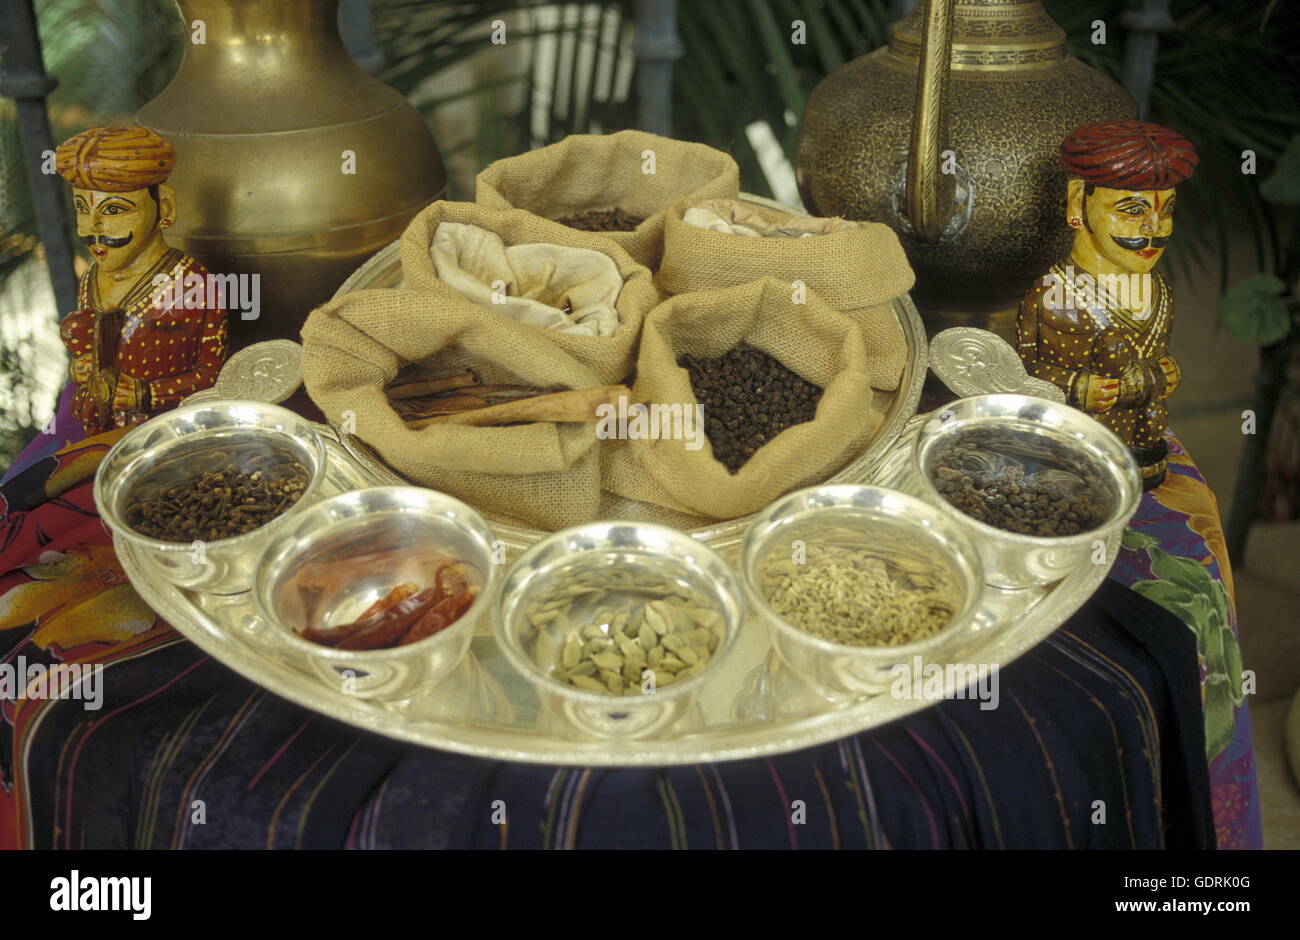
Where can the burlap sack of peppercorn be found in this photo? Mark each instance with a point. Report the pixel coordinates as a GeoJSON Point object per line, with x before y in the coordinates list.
{"type": "Point", "coordinates": [821, 344]}
{"type": "Point", "coordinates": [634, 171]}
{"type": "Point", "coordinates": [562, 267]}
{"type": "Point", "coordinates": [541, 474]}
{"type": "Point", "coordinates": [856, 267]}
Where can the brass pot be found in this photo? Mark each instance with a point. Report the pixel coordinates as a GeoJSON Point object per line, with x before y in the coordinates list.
{"type": "Point", "coordinates": [951, 135]}
{"type": "Point", "coordinates": [262, 115]}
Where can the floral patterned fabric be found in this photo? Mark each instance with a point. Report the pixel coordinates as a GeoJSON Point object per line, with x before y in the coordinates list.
{"type": "Point", "coordinates": [1174, 553]}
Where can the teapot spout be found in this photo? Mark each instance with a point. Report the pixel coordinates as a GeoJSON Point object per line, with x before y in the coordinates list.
{"type": "Point", "coordinates": [929, 192]}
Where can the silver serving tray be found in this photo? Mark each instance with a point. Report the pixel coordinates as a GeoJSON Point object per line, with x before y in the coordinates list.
{"type": "Point", "coordinates": [751, 706]}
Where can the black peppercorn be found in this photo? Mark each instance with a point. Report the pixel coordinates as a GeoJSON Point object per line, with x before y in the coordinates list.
{"type": "Point", "coordinates": [749, 398]}
{"type": "Point", "coordinates": [602, 220]}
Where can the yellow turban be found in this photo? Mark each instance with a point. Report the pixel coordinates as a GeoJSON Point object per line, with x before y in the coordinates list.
{"type": "Point", "coordinates": [115, 159]}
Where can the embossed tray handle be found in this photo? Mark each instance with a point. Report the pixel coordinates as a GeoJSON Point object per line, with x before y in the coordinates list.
{"type": "Point", "coordinates": [971, 362]}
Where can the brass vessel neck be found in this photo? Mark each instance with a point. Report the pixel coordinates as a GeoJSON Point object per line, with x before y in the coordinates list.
{"type": "Point", "coordinates": [265, 66]}
{"type": "Point", "coordinates": [244, 31]}
{"type": "Point", "coordinates": [988, 35]}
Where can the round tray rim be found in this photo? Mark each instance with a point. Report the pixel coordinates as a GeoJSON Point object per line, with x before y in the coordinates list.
{"type": "Point", "coordinates": [1037, 617]}
{"type": "Point", "coordinates": [1031, 617]}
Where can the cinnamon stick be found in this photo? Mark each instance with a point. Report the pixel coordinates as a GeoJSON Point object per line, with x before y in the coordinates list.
{"type": "Point", "coordinates": [576, 405]}
{"type": "Point", "coordinates": [432, 386]}
{"type": "Point", "coordinates": [507, 391]}
{"type": "Point", "coordinates": [445, 404]}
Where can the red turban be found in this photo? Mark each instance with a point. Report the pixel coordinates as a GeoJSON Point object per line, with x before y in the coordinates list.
{"type": "Point", "coordinates": [1128, 155]}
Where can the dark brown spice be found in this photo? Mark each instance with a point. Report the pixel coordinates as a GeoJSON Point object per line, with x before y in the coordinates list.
{"type": "Point", "coordinates": [217, 504]}
{"type": "Point", "coordinates": [749, 398]}
{"type": "Point", "coordinates": [1042, 491]}
{"type": "Point", "coordinates": [602, 220]}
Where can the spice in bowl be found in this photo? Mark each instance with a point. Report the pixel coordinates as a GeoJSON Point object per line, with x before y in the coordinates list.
{"type": "Point", "coordinates": [602, 220]}
{"type": "Point", "coordinates": [857, 597]}
{"type": "Point", "coordinates": [749, 398]}
{"type": "Point", "coordinates": [405, 614]}
{"type": "Point", "coordinates": [652, 628]}
{"type": "Point", "coordinates": [1022, 485]}
{"type": "Point", "coordinates": [218, 504]}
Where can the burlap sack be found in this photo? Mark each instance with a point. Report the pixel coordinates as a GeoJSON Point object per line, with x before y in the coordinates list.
{"type": "Point", "coordinates": [568, 290]}
{"type": "Point", "coordinates": [611, 358]}
{"type": "Point", "coordinates": [609, 171]}
{"type": "Point", "coordinates": [856, 269]}
{"type": "Point", "coordinates": [542, 474]}
{"type": "Point", "coordinates": [822, 345]}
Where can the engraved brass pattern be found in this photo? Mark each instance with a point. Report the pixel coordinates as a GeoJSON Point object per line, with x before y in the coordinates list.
{"type": "Point", "coordinates": [1011, 97]}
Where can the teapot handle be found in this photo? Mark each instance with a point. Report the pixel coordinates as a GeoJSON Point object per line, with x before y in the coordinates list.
{"type": "Point", "coordinates": [929, 193]}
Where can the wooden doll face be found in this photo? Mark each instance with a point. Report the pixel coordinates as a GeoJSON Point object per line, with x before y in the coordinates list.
{"type": "Point", "coordinates": [119, 227]}
{"type": "Point", "coordinates": [1130, 228]}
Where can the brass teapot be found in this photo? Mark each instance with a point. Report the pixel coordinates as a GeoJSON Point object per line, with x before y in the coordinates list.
{"type": "Point", "coordinates": [951, 135]}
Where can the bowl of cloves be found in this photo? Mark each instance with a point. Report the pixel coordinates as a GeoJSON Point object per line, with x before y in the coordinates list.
{"type": "Point", "coordinates": [1040, 487]}
{"type": "Point", "coordinates": [201, 490]}
{"type": "Point", "coordinates": [376, 591]}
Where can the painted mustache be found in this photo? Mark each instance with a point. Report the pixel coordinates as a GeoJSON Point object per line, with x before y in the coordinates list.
{"type": "Point", "coordinates": [1137, 244]}
{"type": "Point", "coordinates": [109, 241]}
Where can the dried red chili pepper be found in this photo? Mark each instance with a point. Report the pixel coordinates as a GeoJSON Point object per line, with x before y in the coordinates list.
{"type": "Point", "coordinates": [331, 636]}
{"type": "Point", "coordinates": [399, 593]}
{"type": "Point", "coordinates": [460, 583]}
{"type": "Point", "coordinates": [442, 615]}
{"type": "Point", "coordinates": [403, 615]}
{"type": "Point", "coordinates": [388, 626]}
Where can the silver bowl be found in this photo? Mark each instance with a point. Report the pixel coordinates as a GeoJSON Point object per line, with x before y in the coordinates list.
{"type": "Point", "coordinates": [1044, 434]}
{"type": "Point", "coordinates": [619, 559]}
{"type": "Point", "coordinates": [347, 552]}
{"type": "Point", "coordinates": [215, 435]}
{"type": "Point", "coordinates": [904, 530]}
